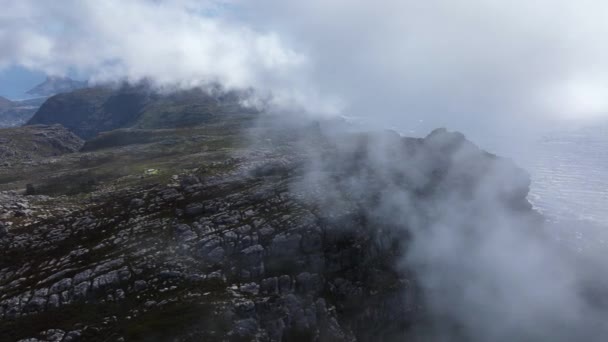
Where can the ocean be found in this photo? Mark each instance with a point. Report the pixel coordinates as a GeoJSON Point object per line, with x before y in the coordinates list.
{"type": "Point", "coordinates": [568, 168]}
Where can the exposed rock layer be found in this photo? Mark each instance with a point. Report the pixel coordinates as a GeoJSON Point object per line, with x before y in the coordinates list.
{"type": "Point", "coordinates": [235, 249]}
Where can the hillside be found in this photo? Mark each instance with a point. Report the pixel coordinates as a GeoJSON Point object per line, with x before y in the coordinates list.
{"type": "Point", "coordinates": [224, 232]}
{"type": "Point", "coordinates": [30, 143]}
{"type": "Point", "coordinates": [90, 111]}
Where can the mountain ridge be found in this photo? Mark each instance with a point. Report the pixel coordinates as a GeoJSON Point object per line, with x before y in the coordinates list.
{"type": "Point", "coordinates": [89, 111]}
{"type": "Point", "coordinates": [53, 85]}
{"type": "Point", "coordinates": [5, 103]}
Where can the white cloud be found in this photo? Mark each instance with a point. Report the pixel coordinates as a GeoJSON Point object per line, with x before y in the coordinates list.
{"type": "Point", "coordinates": [460, 64]}
{"type": "Point", "coordinates": [452, 63]}
{"type": "Point", "coordinates": [182, 43]}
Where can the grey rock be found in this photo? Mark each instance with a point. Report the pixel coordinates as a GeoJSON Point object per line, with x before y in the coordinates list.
{"type": "Point", "coordinates": [270, 285]}
{"type": "Point", "coordinates": [284, 245]}
{"type": "Point", "coordinates": [184, 233]}
{"type": "Point", "coordinates": [106, 266]}
{"type": "Point", "coordinates": [266, 231]}
{"type": "Point", "coordinates": [250, 288]}
{"type": "Point", "coordinates": [189, 180]}
{"type": "Point", "coordinates": [194, 209]}
{"type": "Point", "coordinates": [306, 282]}
{"type": "Point", "coordinates": [119, 294]}
{"type": "Point", "coordinates": [150, 303]}
{"type": "Point", "coordinates": [169, 194]}
{"type": "Point", "coordinates": [253, 255]}
{"type": "Point", "coordinates": [124, 274]}
{"type": "Point", "coordinates": [311, 242]}
{"type": "Point", "coordinates": [167, 274]}
{"type": "Point", "coordinates": [54, 301]}
{"type": "Point", "coordinates": [81, 290]}
{"type": "Point", "coordinates": [285, 284]}
{"type": "Point", "coordinates": [216, 255]}
{"type": "Point", "coordinates": [245, 308]}
{"type": "Point", "coordinates": [245, 328]}
{"type": "Point", "coordinates": [182, 228]}
{"type": "Point", "coordinates": [140, 285]}
{"type": "Point", "coordinates": [65, 297]}
{"type": "Point", "coordinates": [53, 335]}
{"type": "Point", "coordinates": [105, 280]}
{"type": "Point", "coordinates": [72, 336]}
{"type": "Point", "coordinates": [60, 286]}
{"type": "Point", "coordinates": [137, 203]}
{"type": "Point", "coordinates": [36, 304]}
{"type": "Point", "coordinates": [82, 276]}
{"type": "Point", "coordinates": [208, 245]}
{"type": "Point", "coordinates": [275, 329]}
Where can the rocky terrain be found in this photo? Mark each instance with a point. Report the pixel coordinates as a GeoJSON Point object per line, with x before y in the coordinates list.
{"type": "Point", "coordinates": [218, 232]}
{"type": "Point", "coordinates": [30, 143]}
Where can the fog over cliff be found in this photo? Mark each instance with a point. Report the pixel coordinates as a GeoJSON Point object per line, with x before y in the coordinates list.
{"type": "Point", "coordinates": [482, 67]}
{"type": "Point", "coordinates": [489, 267]}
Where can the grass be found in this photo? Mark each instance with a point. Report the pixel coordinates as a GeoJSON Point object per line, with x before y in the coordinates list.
{"type": "Point", "coordinates": [121, 157]}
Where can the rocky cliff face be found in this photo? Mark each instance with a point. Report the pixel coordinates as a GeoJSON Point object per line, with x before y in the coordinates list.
{"type": "Point", "coordinates": [275, 238]}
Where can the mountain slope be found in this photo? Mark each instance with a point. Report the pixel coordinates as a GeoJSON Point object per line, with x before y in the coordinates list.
{"type": "Point", "coordinates": [200, 234]}
{"type": "Point", "coordinates": [35, 142]}
{"type": "Point", "coordinates": [92, 110]}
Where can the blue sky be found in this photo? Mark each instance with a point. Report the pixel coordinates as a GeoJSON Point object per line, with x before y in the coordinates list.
{"type": "Point", "coordinates": [15, 81]}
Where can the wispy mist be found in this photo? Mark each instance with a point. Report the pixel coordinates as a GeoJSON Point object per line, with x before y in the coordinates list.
{"type": "Point", "coordinates": [487, 264]}
{"type": "Point", "coordinates": [467, 65]}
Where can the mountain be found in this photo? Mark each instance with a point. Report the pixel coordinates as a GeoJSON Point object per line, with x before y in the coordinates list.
{"type": "Point", "coordinates": [16, 113]}
{"type": "Point", "coordinates": [55, 85]}
{"type": "Point", "coordinates": [90, 111]}
{"type": "Point", "coordinates": [229, 232]}
{"type": "Point", "coordinates": [5, 103]}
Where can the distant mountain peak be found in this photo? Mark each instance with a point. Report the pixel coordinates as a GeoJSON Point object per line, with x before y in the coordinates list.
{"type": "Point", "coordinates": [56, 84]}
{"type": "Point", "coordinates": [5, 103]}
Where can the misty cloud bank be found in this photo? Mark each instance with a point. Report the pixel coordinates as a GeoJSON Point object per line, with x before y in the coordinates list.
{"type": "Point", "coordinates": [485, 261]}
{"type": "Point", "coordinates": [470, 65]}
{"type": "Point", "coordinates": [172, 44]}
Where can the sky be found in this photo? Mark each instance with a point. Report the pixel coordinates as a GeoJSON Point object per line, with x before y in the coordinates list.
{"type": "Point", "coordinates": [16, 80]}
{"type": "Point", "coordinates": [473, 66]}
